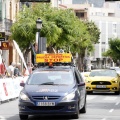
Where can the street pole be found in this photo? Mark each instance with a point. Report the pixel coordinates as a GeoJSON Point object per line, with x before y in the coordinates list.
{"type": "Point", "coordinates": [39, 26]}
{"type": "Point", "coordinates": [39, 42]}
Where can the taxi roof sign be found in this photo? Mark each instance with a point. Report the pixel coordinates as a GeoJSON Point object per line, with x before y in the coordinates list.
{"type": "Point", "coordinates": [43, 58]}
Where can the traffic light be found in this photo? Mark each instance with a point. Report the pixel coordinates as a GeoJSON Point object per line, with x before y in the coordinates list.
{"type": "Point", "coordinates": [35, 0]}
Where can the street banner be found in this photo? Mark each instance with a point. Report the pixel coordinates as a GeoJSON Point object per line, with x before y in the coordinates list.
{"type": "Point", "coordinates": [21, 55]}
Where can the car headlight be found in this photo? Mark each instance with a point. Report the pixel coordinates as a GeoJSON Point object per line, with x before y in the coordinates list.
{"type": "Point", "coordinates": [69, 96]}
{"type": "Point", "coordinates": [23, 96]}
{"type": "Point", "coordinates": [115, 81]}
{"type": "Point", "coordinates": [87, 81]}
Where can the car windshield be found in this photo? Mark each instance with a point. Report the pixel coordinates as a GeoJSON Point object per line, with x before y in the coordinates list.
{"type": "Point", "coordinates": [51, 78]}
{"type": "Point", "coordinates": [110, 73]}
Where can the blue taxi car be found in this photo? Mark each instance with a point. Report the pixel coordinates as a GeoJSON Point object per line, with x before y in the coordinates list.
{"type": "Point", "coordinates": [56, 90]}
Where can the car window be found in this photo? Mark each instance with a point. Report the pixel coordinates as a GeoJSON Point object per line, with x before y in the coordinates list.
{"type": "Point", "coordinates": [77, 76]}
{"type": "Point", "coordinates": [110, 73]}
{"type": "Point", "coordinates": [51, 77]}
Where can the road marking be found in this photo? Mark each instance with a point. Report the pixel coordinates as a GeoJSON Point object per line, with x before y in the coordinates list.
{"type": "Point", "coordinates": [117, 103]}
{"type": "Point", "coordinates": [90, 97]}
{"type": "Point", "coordinates": [2, 118]}
{"type": "Point", "coordinates": [103, 119]}
{"type": "Point", "coordinates": [110, 98]}
{"type": "Point", "coordinates": [111, 110]}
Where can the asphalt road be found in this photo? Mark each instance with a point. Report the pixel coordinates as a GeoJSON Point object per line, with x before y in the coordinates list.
{"type": "Point", "coordinates": [99, 107]}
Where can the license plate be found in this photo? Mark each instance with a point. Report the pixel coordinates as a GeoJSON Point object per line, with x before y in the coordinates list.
{"type": "Point", "coordinates": [101, 86]}
{"type": "Point", "coordinates": [45, 103]}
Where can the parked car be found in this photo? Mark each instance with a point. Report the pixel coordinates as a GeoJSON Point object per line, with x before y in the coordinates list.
{"type": "Point", "coordinates": [103, 81]}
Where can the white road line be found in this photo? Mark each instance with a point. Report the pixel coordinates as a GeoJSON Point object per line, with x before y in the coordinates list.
{"type": "Point", "coordinates": [111, 110]}
{"type": "Point", "coordinates": [110, 98]}
{"type": "Point", "coordinates": [117, 103]}
{"type": "Point", "coordinates": [103, 119]}
{"type": "Point", "coordinates": [2, 118]}
{"type": "Point", "coordinates": [90, 97]}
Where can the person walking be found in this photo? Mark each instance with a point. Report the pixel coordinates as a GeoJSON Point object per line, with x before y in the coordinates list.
{"type": "Point", "coordinates": [10, 69]}
{"type": "Point", "coordinates": [17, 70]}
{"type": "Point", "coordinates": [30, 67]}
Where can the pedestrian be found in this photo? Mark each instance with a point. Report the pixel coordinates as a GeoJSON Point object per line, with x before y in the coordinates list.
{"type": "Point", "coordinates": [25, 72]}
{"type": "Point", "coordinates": [17, 70]}
{"type": "Point", "coordinates": [30, 67]}
{"type": "Point", "coordinates": [10, 70]}
{"type": "Point", "coordinates": [3, 68]}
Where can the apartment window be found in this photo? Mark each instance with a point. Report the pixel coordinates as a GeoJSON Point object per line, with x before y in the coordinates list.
{"type": "Point", "coordinates": [114, 28]}
{"type": "Point", "coordinates": [80, 15]}
{"type": "Point", "coordinates": [103, 50]}
{"type": "Point", "coordinates": [103, 42]}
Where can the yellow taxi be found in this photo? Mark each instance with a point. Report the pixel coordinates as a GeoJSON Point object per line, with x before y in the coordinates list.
{"type": "Point", "coordinates": [103, 81]}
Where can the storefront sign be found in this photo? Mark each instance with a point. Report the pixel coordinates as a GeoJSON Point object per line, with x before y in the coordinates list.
{"type": "Point", "coordinates": [5, 45]}
{"type": "Point", "coordinates": [2, 36]}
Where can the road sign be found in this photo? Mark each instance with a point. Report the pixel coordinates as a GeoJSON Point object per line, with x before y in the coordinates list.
{"type": "Point", "coordinates": [2, 36]}
{"type": "Point", "coordinates": [35, 0]}
{"type": "Point", "coordinates": [5, 45]}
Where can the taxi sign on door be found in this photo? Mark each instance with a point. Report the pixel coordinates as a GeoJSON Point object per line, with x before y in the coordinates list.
{"type": "Point", "coordinates": [5, 45]}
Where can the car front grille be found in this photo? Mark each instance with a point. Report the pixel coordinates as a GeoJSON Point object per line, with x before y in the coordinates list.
{"type": "Point", "coordinates": [46, 108]}
{"type": "Point", "coordinates": [101, 83]}
{"type": "Point", "coordinates": [45, 97]}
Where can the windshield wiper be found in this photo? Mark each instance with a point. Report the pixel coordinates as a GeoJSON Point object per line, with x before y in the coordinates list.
{"type": "Point", "coordinates": [48, 83]}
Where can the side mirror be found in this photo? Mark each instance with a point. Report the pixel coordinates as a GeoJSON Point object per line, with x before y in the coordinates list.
{"type": "Point", "coordinates": [81, 84]}
{"type": "Point", "coordinates": [22, 84]}
{"type": "Point", "coordinates": [86, 75]}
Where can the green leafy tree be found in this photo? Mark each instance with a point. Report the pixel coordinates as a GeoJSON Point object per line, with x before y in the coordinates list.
{"type": "Point", "coordinates": [114, 49]}
{"type": "Point", "coordinates": [61, 28]}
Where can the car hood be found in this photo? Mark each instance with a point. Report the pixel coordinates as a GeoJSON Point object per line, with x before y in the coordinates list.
{"type": "Point", "coordinates": [99, 78]}
{"type": "Point", "coordinates": [48, 89]}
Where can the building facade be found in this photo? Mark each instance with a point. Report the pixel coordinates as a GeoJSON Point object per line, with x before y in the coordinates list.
{"type": "Point", "coordinates": [8, 11]}
{"type": "Point", "coordinates": [107, 18]}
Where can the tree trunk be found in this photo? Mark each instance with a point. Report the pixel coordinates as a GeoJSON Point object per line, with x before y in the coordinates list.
{"type": "Point", "coordinates": [80, 62]}
{"type": "Point", "coordinates": [50, 49]}
{"type": "Point", "coordinates": [25, 54]}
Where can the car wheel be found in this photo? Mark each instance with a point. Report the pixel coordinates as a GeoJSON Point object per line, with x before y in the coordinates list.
{"type": "Point", "coordinates": [117, 92]}
{"type": "Point", "coordinates": [83, 110]}
{"type": "Point", "coordinates": [23, 117]}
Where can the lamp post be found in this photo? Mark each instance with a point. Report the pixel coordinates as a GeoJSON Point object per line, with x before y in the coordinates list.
{"type": "Point", "coordinates": [39, 26]}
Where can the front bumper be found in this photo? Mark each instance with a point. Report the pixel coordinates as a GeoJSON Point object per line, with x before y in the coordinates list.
{"type": "Point", "coordinates": [62, 108]}
{"type": "Point", "coordinates": [105, 88]}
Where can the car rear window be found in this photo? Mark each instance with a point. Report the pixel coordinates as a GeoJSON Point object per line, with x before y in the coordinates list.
{"type": "Point", "coordinates": [51, 78]}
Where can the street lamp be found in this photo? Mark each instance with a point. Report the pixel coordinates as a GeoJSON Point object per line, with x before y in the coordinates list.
{"type": "Point", "coordinates": [39, 26]}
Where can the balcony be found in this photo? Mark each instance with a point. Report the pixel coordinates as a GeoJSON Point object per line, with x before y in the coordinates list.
{"type": "Point", "coordinates": [5, 26]}
{"type": "Point", "coordinates": [8, 24]}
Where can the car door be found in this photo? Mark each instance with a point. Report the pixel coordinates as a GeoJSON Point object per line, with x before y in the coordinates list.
{"type": "Point", "coordinates": [81, 86]}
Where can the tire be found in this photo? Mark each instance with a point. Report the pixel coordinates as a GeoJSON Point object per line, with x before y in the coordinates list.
{"type": "Point", "coordinates": [23, 117]}
{"type": "Point", "coordinates": [83, 110]}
